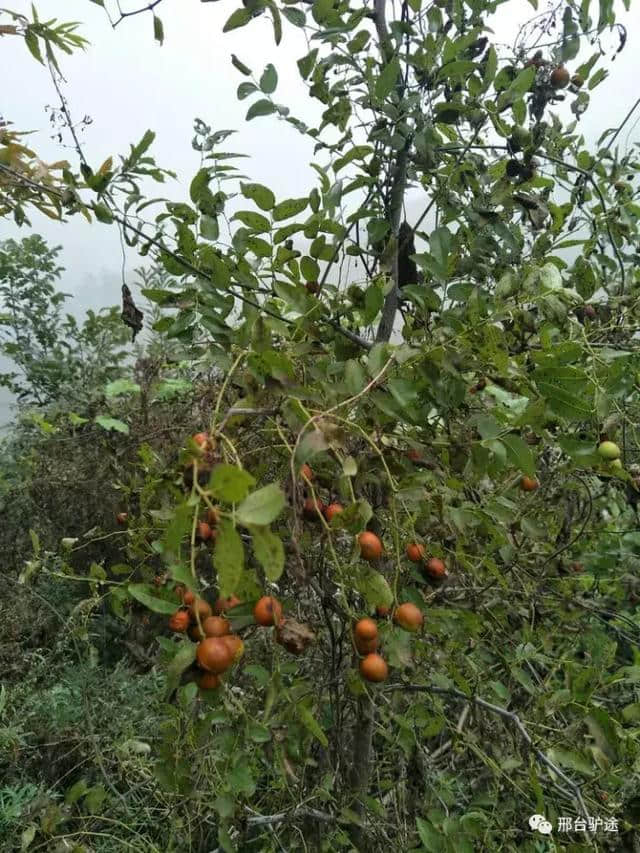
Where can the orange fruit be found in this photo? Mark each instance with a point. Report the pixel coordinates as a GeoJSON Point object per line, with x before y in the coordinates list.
{"type": "Point", "coordinates": [224, 604]}
{"type": "Point", "coordinates": [435, 568]}
{"type": "Point", "coordinates": [213, 516]}
{"type": "Point", "coordinates": [415, 552]}
{"type": "Point", "coordinates": [305, 471]}
{"type": "Point", "coordinates": [267, 611]}
{"type": "Point", "coordinates": [216, 626]}
{"type": "Point", "coordinates": [201, 439]}
{"type": "Point", "coordinates": [374, 668]}
{"type": "Point", "coordinates": [408, 616]}
{"type": "Point", "coordinates": [204, 531]}
{"type": "Point", "coordinates": [214, 655]}
{"type": "Point", "coordinates": [332, 510]}
{"type": "Point", "coordinates": [382, 611]}
{"type": "Point", "coordinates": [209, 681]}
{"type": "Point", "coordinates": [560, 77]}
{"type": "Point", "coordinates": [370, 546]}
{"type": "Point", "coordinates": [202, 607]}
{"type": "Point", "coordinates": [180, 621]}
{"type": "Point", "coordinates": [122, 517]}
{"type": "Point", "coordinates": [365, 629]}
{"type": "Point", "coordinates": [366, 647]}
{"type": "Point", "coordinates": [528, 484]}
{"type": "Point", "coordinates": [311, 508]}
{"type": "Point", "coordinates": [235, 645]}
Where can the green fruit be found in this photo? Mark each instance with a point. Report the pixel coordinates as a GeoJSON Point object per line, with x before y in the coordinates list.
{"type": "Point", "coordinates": [615, 463]}
{"type": "Point", "coordinates": [609, 450]}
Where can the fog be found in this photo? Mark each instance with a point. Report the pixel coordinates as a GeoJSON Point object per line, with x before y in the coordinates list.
{"type": "Point", "coordinates": [127, 83]}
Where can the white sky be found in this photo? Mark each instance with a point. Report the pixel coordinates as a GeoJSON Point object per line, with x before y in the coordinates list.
{"type": "Point", "coordinates": [127, 83]}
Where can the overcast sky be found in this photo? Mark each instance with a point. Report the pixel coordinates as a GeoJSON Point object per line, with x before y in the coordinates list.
{"type": "Point", "coordinates": [127, 83]}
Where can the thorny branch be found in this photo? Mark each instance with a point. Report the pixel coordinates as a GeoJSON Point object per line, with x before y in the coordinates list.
{"type": "Point", "coordinates": [507, 715]}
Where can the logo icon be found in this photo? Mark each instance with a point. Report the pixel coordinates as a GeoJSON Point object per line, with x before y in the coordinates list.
{"type": "Point", "coordinates": [539, 822]}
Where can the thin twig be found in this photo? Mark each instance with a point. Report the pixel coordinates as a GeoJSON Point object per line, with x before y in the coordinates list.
{"type": "Point", "coordinates": [507, 715]}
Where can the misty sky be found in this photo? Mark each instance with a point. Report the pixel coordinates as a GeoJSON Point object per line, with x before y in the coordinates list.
{"type": "Point", "coordinates": [127, 83]}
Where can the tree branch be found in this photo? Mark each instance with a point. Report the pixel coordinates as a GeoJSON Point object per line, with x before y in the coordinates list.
{"type": "Point", "coordinates": [148, 8]}
{"type": "Point", "coordinates": [186, 265]}
{"type": "Point", "coordinates": [507, 715]}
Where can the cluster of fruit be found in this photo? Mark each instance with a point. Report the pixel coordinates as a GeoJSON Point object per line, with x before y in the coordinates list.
{"type": "Point", "coordinates": [373, 666]}
{"type": "Point", "coordinates": [218, 647]}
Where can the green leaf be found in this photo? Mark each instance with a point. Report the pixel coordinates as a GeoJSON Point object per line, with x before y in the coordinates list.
{"type": "Point", "coordinates": [431, 839]}
{"type": "Point", "coordinates": [181, 661]}
{"type": "Point", "coordinates": [158, 29]}
{"type": "Point", "coordinates": [245, 89]}
{"type": "Point", "coordinates": [295, 16]}
{"type": "Point", "coordinates": [311, 724]}
{"type": "Point", "coordinates": [261, 507]}
{"type": "Point", "coordinates": [387, 79]}
{"type": "Point", "coordinates": [290, 207]}
{"type": "Point", "coordinates": [269, 80]}
{"type": "Point", "coordinates": [440, 245]}
{"type": "Point", "coordinates": [258, 733]}
{"type": "Point", "coordinates": [102, 212]}
{"type": "Point", "coordinates": [242, 68]}
{"type": "Point", "coordinates": [229, 483]}
{"type": "Point", "coordinates": [121, 386]}
{"type": "Point", "coordinates": [228, 558]}
{"type": "Point", "coordinates": [260, 194]}
{"type": "Point", "coordinates": [269, 551]}
{"type": "Point", "coordinates": [519, 454]}
{"type": "Point", "coordinates": [253, 220]}
{"type": "Point", "coordinates": [277, 21]}
{"type": "Point", "coordinates": [260, 108]}
{"type": "Point", "coordinates": [309, 268]}
{"type": "Point", "coordinates": [224, 805]}
{"type": "Point", "coordinates": [375, 588]}
{"type": "Point", "coordinates": [241, 779]}
{"type": "Point", "coordinates": [177, 529]}
{"type": "Point", "coordinates": [305, 65]}
{"type": "Point", "coordinates": [112, 424]}
{"type": "Point", "coordinates": [209, 227]}
{"type": "Point", "coordinates": [199, 184]}
{"type": "Point", "coordinates": [239, 18]}
{"type": "Point", "coordinates": [523, 81]}
{"type": "Point", "coordinates": [31, 40]}
{"type": "Point", "coordinates": [147, 595]}
{"type": "Point", "coordinates": [490, 68]}
{"type": "Point", "coordinates": [567, 391]}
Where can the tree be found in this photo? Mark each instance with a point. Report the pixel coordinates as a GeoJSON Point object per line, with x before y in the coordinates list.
{"type": "Point", "coordinates": [514, 360]}
{"type": "Point", "coordinates": [53, 353]}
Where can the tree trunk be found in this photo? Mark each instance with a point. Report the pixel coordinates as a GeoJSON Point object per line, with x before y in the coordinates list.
{"type": "Point", "coordinates": [361, 765]}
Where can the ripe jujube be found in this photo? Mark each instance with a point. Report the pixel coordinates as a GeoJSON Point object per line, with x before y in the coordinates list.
{"type": "Point", "coordinates": [268, 611]}
{"type": "Point", "coordinates": [370, 546]}
{"type": "Point", "coordinates": [415, 552]}
{"type": "Point", "coordinates": [374, 668]}
{"type": "Point", "coordinates": [214, 655]}
{"type": "Point", "coordinates": [408, 616]}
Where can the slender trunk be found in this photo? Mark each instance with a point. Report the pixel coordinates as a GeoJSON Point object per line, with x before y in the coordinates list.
{"type": "Point", "coordinates": [397, 186]}
{"type": "Point", "coordinates": [361, 765]}
{"type": "Point", "coordinates": [395, 211]}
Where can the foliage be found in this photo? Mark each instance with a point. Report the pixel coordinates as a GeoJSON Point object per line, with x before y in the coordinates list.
{"type": "Point", "coordinates": [53, 354]}
{"type": "Point", "coordinates": [277, 333]}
